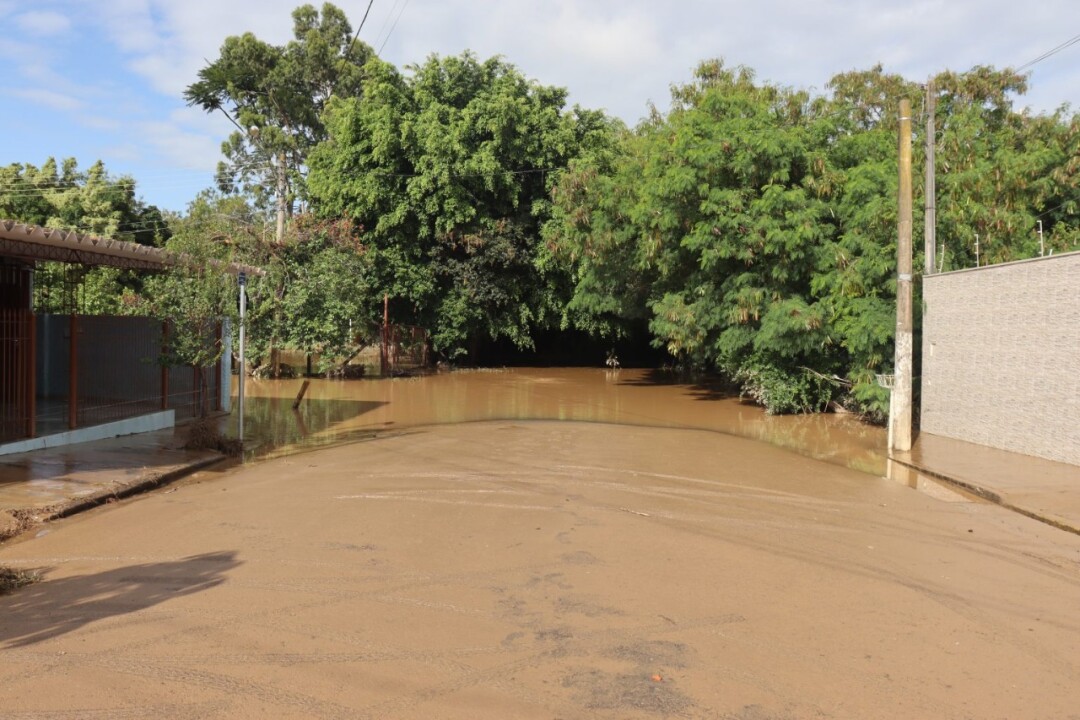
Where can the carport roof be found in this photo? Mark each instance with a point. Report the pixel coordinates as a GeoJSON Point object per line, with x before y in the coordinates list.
{"type": "Point", "coordinates": [30, 242]}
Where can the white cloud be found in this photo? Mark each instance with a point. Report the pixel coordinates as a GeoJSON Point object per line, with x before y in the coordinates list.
{"type": "Point", "coordinates": [124, 71]}
{"type": "Point", "coordinates": [43, 23]}
{"type": "Point", "coordinates": [47, 99]}
{"type": "Point", "coordinates": [182, 148]}
{"type": "Point", "coordinates": [98, 122]}
{"type": "Point", "coordinates": [619, 54]}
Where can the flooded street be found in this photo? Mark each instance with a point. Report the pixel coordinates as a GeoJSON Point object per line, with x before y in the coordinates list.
{"type": "Point", "coordinates": [509, 569]}
{"type": "Point", "coordinates": [543, 544]}
{"type": "Point", "coordinates": [336, 411]}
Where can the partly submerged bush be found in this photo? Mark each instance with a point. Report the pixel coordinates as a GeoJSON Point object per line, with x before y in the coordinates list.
{"type": "Point", "coordinates": [781, 392]}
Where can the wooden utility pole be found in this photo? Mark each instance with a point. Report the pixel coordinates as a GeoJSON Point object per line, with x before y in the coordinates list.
{"type": "Point", "coordinates": [900, 401]}
{"type": "Point", "coordinates": [930, 229]}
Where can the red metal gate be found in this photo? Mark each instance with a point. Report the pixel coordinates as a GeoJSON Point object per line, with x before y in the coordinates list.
{"type": "Point", "coordinates": [16, 354]}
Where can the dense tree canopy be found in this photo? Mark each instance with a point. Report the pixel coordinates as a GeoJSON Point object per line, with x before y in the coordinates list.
{"type": "Point", "coordinates": [754, 225]}
{"type": "Point", "coordinates": [449, 169]}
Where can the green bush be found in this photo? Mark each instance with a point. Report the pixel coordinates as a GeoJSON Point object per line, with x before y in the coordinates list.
{"type": "Point", "coordinates": [781, 392]}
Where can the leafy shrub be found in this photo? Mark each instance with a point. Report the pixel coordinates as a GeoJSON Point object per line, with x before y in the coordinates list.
{"type": "Point", "coordinates": [781, 392]}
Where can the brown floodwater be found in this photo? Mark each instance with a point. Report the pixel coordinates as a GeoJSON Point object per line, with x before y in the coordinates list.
{"type": "Point", "coordinates": [337, 411]}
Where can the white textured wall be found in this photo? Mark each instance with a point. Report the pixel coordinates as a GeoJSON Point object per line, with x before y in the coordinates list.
{"type": "Point", "coordinates": [1001, 356]}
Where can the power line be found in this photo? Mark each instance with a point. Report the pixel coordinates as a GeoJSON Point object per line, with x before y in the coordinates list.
{"type": "Point", "coordinates": [391, 32]}
{"type": "Point", "coordinates": [1068, 43]}
{"type": "Point", "coordinates": [386, 20]}
{"type": "Point", "coordinates": [345, 57]}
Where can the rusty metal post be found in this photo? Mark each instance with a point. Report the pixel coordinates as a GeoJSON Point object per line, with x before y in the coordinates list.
{"type": "Point", "coordinates": [73, 371]}
{"type": "Point", "coordinates": [30, 374]}
{"type": "Point", "coordinates": [900, 401]}
{"type": "Point", "coordinates": [200, 396]}
{"type": "Point", "coordinates": [164, 366]}
{"type": "Point", "coordinates": [384, 357]}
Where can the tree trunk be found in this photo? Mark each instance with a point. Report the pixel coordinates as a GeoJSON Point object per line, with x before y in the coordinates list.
{"type": "Point", "coordinates": [282, 204]}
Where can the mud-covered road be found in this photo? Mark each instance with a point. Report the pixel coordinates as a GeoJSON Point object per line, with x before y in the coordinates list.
{"type": "Point", "coordinates": [514, 569]}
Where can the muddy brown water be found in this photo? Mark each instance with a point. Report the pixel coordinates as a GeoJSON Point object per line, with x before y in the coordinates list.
{"type": "Point", "coordinates": [542, 544]}
{"type": "Point", "coordinates": [338, 411]}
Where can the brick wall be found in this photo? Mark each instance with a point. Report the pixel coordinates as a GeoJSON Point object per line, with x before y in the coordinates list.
{"type": "Point", "coordinates": [1001, 356]}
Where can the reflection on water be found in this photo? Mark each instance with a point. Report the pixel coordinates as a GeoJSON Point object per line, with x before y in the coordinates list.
{"type": "Point", "coordinates": [336, 411]}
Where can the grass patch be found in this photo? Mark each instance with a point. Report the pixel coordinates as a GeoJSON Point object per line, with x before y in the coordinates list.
{"type": "Point", "coordinates": [203, 434]}
{"type": "Point", "coordinates": [11, 579]}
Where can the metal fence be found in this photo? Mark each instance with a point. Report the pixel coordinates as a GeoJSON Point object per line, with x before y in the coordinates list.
{"type": "Point", "coordinates": [16, 388]}
{"type": "Point", "coordinates": [404, 349]}
{"type": "Point", "coordinates": [62, 372]}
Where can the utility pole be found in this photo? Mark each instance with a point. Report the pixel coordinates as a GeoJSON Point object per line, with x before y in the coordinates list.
{"type": "Point", "coordinates": [241, 280]}
{"type": "Point", "coordinates": [900, 400]}
{"type": "Point", "coordinates": [930, 225]}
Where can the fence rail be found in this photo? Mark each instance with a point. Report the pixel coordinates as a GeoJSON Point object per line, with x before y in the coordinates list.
{"type": "Point", "coordinates": [61, 372]}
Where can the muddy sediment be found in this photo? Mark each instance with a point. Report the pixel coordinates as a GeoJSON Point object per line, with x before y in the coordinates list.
{"type": "Point", "coordinates": [539, 569]}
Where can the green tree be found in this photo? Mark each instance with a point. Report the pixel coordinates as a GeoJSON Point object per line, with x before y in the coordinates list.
{"type": "Point", "coordinates": [332, 306]}
{"type": "Point", "coordinates": [275, 95]}
{"type": "Point", "coordinates": [93, 202]}
{"type": "Point", "coordinates": [449, 171]}
{"type": "Point", "coordinates": [755, 225]}
{"type": "Point", "coordinates": [712, 207]}
{"type": "Point", "coordinates": [195, 295]}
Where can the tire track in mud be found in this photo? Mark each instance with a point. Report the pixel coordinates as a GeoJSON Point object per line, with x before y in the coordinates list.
{"type": "Point", "coordinates": [935, 592]}
{"type": "Point", "coordinates": [173, 711]}
{"type": "Point", "coordinates": [549, 647]}
{"type": "Point", "coordinates": [564, 646]}
{"type": "Point", "coordinates": [227, 684]}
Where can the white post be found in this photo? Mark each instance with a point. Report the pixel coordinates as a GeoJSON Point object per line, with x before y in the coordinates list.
{"type": "Point", "coordinates": [240, 391]}
{"type": "Point", "coordinates": [1042, 245]}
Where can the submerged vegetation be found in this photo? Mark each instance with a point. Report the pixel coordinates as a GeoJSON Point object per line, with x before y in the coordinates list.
{"type": "Point", "coordinates": [11, 579]}
{"type": "Point", "coordinates": [751, 228]}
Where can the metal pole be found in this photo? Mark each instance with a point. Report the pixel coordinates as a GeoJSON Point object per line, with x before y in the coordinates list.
{"type": "Point", "coordinates": [164, 367]}
{"type": "Point", "coordinates": [930, 228]}
{"type": "Point", "coordinates": [384, 355]}
{"type": "Point", "coordinates": [900, 402]}
{"type": "Point", "coordinates": [73, 372]}
{"type": "Point", "coordinates": [1042, 245]}
{"type": "Point", "coordinates": [240, 390]}
{"type": "Point", "coordinates": [976, 249]}
{"type": "Point", "coordinates": [30, 375]}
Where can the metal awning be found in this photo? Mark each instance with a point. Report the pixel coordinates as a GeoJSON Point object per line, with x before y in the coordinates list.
{"type": "Point", "coordinates": [30, 242]}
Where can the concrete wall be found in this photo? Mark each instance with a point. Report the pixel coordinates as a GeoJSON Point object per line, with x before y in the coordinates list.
{"type": "Point", "coordinates": [1001, 356]}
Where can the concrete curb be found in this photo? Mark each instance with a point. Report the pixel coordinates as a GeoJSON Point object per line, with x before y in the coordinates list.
{"type": "Point", "coordinates": [991, 496]}
{"type": "Point", "coordinates": [30, 517]}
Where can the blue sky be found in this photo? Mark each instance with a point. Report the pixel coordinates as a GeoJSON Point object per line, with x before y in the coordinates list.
{"type": "Point", "coordinates": [103, 79]}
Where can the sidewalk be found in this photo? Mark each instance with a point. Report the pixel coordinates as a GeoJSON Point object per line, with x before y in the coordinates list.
{"type": "Point", "coordinates": [1041, 489]}
{"type": "Point", "coordinates": [45, 484]}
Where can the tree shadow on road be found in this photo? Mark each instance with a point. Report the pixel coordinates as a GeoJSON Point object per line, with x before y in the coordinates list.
{"type": "Point", "coordinates": [55, 607]}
